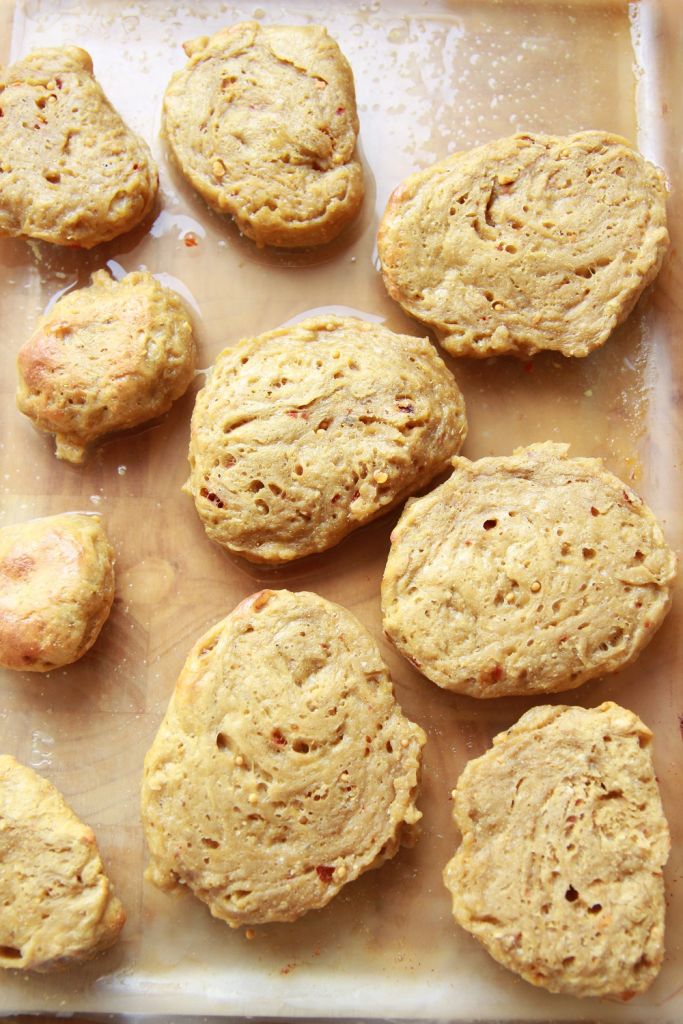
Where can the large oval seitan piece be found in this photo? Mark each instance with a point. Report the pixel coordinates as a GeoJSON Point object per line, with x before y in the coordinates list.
{"type": "Point", "coordinates": [56, 590]}
{"type": "Point", "coordinates": [57, 906]}
{"type": "Point", "coordinates": [526, 574]}
{"type": "Point", "coordinates": [531, 242]}
{"type": "Point", "coordinates": [71, 172]}
{"type": "Point", "coordinates": [307, 432]}
{"type": "Point", "coordinates": [262, 122]}
{"type": "Point", "coordinates": [284, 767]}
{"type": "Point", "coordinates": [105, 358]}
{"type": "Point", "coordinates": [559, 872]}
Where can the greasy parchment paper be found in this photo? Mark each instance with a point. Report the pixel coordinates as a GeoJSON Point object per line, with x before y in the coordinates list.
{"type": "Point", "coordinates": [432, 76]}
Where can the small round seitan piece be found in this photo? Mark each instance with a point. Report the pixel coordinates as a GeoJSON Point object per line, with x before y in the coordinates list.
{"type": "Point", "coordinates": [526, 574]}
{"type": "Point", "coordinates": [262, 122]}
{"type": "Point", "coordinates": [307, 432]}
{"type": "Point", "coordinates": [57, 906]}
{"type": "Point", "coordinates": [284, 767]}
{"type": "Point", "coordinates": [105, 358]}
{"type": "Point", "coordinates": [559, 872]}
{"type": "Point", "coordinates": [56, 590]}
{"type": "Point", "coordinates": [527, 243]}
{"type": "Point", "coordinates": [71, 172]}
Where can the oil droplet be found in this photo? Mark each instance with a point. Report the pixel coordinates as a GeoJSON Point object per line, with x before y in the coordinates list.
{"type": "Point", "coordinates": [95, 499]}
{"type": "Point", "coordinates": [41, 749]}
{"type": "Point", "coordinates": [190, 239]}
{"type": "Point", "coordinates": [122, 470]}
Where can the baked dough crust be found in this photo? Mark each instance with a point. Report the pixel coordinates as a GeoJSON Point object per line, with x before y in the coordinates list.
{"type": "Point", "coordinates": [57, 905]}
{"type": "Point", "coordinates": [105, 358]}
{"type": "Point", "coordinates": [262, 122]}
{"type": "Point", "coordinates": [284, 768]}
{"type": "Point", "coordinates": [526, 574]}
{"type": "Point", "coordinates": [559, 873]}
{"type": "Point", "coordinates": [305, 433]}
{"type": "Point", "coordinates": [527, 243]}
{"type": "Point", "coordinates": [71, 171]}
{"type": "Point", "coordinates": [56, 590]}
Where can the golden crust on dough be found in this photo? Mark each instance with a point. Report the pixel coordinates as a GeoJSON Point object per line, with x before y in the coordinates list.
{"type": "Point", "coordinates": [527, 243]}
{"type": "Point", "coordinates": [526, 574]}
{"type": "Point", "coordinates": [71, 172]}
{"type": "Point", "coordinates": [262, 122]}
{"type": "Point", "coordinates": [105, 358]}
{"type": "Point", "coordinates": [305, 433]}
{"type": "Point", "coordinates": [57, 906]}
{"type": "Point", "coordinates": [559, 873]}
{"type": "Point", "coordinates": [56, 590]}
{"type": "Point", "coordinates": [284, 767]}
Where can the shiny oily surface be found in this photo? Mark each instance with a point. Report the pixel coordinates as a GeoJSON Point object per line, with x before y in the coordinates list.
{"type": "Point", "coordinates": [431, 78]}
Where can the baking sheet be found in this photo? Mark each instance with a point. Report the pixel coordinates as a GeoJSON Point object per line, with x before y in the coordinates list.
{"type": "Point", "coordinates": [432, 77]}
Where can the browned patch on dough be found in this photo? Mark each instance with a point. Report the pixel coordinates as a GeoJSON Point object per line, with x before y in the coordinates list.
{"type": "Point", "coordinates": [17, 568]}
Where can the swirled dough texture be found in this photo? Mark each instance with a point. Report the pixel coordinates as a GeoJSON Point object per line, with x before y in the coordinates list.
{"type": "Point", "coordinates": [284, 768]}
{"type": "Point", "coordinates": [526, 574]}
{"type": "Point", "coordinates": [57, 906]}
{"type": "Point", "coordinates": [71, 172]}
{"type": "Point", "coordinates": [105, 358]}
{"type": "Point", "coordinates": [56, 590]}
{"type": "Point", "coordinates": [559, 873]}
{"type": "Point", "coordinates": [531, 242]}
{"type": "Point", "coordinates": [307, 432]}
{"type": "Point", "coordinates": [262, 122]}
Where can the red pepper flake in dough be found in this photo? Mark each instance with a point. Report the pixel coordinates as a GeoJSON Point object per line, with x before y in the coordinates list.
{"type": "Point", "coordinates": [190, 240]}
{"type": "Point", "coordinates": [324, 873]}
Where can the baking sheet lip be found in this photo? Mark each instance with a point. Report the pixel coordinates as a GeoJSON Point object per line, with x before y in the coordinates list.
{"type": "Point", "coordinates": [156, 1018]}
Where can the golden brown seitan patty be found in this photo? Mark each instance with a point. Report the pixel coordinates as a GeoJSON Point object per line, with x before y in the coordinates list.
{"type": "Point", "coordinates": [307, 432]}
{"type": "Point", "coordinates": [262, 122]}
{"type": "Point", "coordinates": [56, 590]}
{"type": "Point", "coordinates": [105, 358]}
{"type": "Point", "coordinates": [526, 574]}
{"type": "Point", "coordinates": [559, 872]}
{"type": "Point", "coordinates": [527, 243]}
{"type": "Point", "coordinates": [284, 768]}
{"type": "Point", "coordinates": [57, 905]}
{"type": "Point", "coordinates": [71, 172]}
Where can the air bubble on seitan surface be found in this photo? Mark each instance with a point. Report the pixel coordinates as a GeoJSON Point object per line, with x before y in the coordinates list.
{"type": "Point", "coordinates": [10, 953]}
